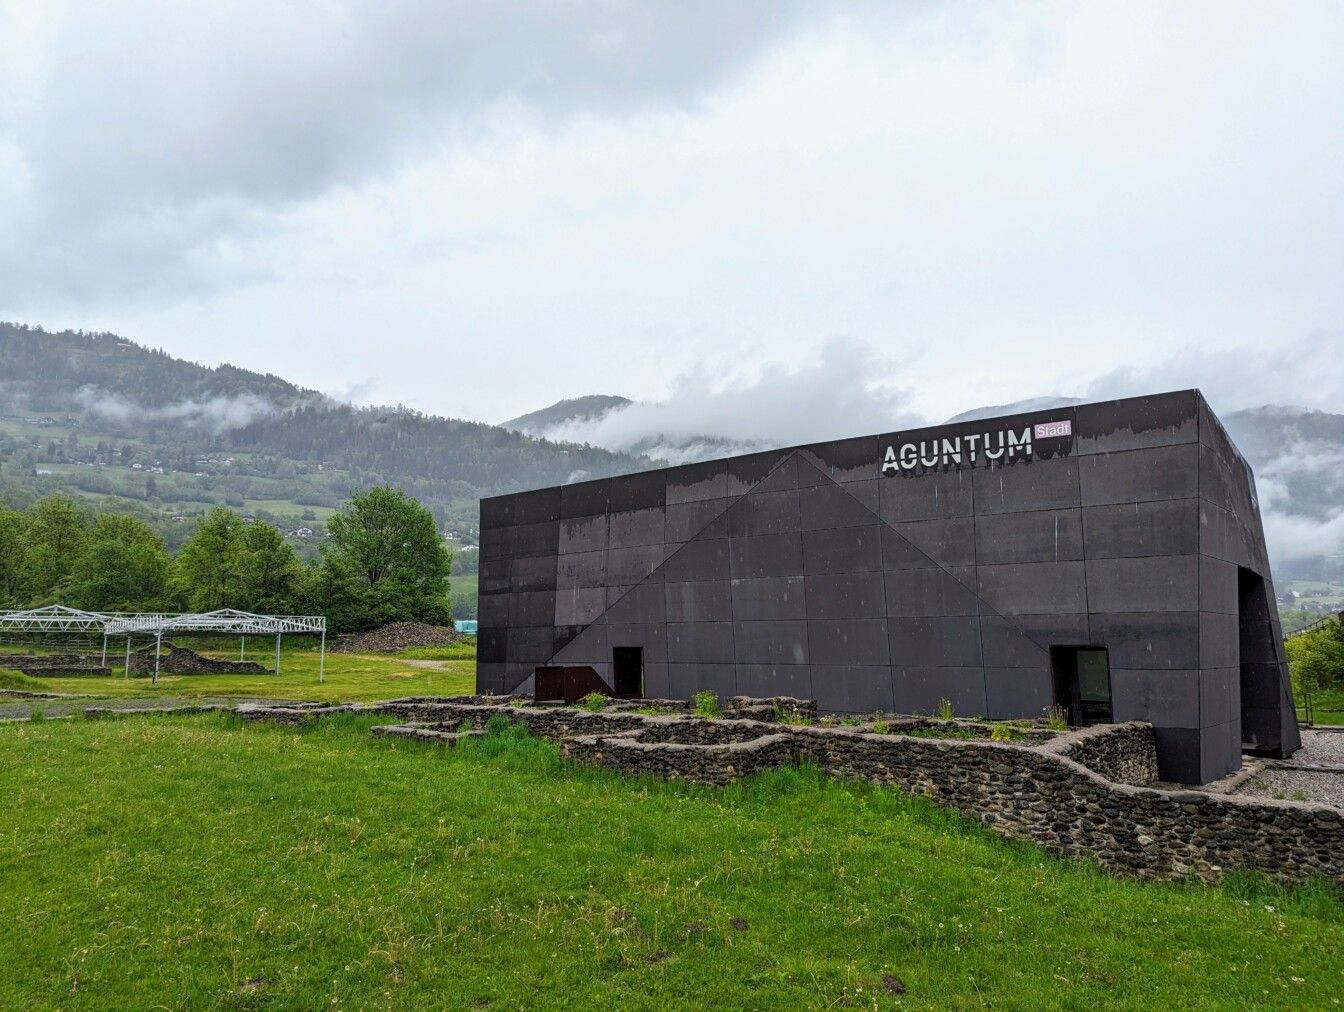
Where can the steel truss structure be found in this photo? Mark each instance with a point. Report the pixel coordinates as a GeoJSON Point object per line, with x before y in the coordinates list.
{"type": "Point", "coordinates": [58, 618]}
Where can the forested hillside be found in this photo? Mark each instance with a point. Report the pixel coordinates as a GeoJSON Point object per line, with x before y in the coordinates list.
{"type": "Point", "coordinates": [46, 371]}
{"type": "Point", "coordinates": [134, 430]}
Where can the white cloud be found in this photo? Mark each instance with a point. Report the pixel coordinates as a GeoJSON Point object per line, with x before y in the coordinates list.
{"type": "Point", "coordinates": [214, 414]}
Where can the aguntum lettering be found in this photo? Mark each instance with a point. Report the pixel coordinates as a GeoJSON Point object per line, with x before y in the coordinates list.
{"type": "Point", "coordinates": [969, 449]}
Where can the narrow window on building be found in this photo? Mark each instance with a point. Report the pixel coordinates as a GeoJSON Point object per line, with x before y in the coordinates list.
{"type": "Point", "coordinates": [627, 665]}
{"type": "Point", "coordinates": [1082, 677]}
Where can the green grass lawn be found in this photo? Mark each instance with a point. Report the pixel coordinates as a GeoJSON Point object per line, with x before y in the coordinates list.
{"type": "Point", "coordinates": [200, 862]}
{"type": "Point", "coordinates": [1327, 706]}
{"type": "Point", "coordinates": [433, 671]}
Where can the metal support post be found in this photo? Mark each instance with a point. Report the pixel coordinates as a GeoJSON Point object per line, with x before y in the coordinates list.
{"type": "Point", "coordinates": [126, 672]}
{"type": "Point", "coordinates": [277, 653]}
{"type": "Point", "coordinates": [322, 656]}
{"type": "Point", "coordinates": [158, 649]}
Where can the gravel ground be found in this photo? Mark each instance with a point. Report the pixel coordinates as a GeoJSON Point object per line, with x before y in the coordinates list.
{"type": "Point", "coordinates": [22, 709]}
{"type": "Point", "coordinates": [1296, 785]}
{"type": "Point", "coordinates": [1323, 747]}
{"type": "Point", "coordinates": [1319, 748]}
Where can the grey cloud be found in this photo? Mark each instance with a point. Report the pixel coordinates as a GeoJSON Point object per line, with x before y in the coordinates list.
{"type": "Point", "coordinates": [150, 137]}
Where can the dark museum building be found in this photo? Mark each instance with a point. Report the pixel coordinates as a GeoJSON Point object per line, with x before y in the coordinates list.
{"type": "Point", "coordinates": [1108, 558]}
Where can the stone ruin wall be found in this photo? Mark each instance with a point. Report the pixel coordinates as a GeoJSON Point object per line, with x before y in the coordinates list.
{"type": "Point", "coordinates": [1079, 794]}
{"type": "Point", "coordinates": [1120, 753]}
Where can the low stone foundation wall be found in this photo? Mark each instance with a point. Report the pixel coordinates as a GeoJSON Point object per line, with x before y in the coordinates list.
{"type": "Point", "coordinates": [1038, 795]}
{"type": "Point", "coordinates": [1073, 794]}
{"type": "Point", "coordinates": [1120, 753]}
{"type": "Point", "coordinates": [49, 665]}
{"type": "Point", "coordinates": [767, 707]}
{"type": "Point", "coordinates": [716, 765]}
{"type": "Point", "coordinates": [438, 737]}
{"type": "Point", "coordinates": [294, 714]}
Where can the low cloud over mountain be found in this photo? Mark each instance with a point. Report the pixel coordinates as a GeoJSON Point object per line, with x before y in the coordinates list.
{"type": "Point", "coordinates": [1297, 453]}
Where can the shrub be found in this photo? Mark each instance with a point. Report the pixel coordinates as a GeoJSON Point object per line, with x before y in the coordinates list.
{"type": "Point", "coordinates": [593, 702]}
{"type": "Point", "coordinates": [945, 711]}
{"type": "Point", "coordinates": [1056, 718]}
{"type": "Point", "coordinates": [1002, 732]}
{"type": "Point", "coordinates": [880, 726]}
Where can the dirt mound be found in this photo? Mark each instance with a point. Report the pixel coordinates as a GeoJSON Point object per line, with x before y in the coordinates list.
{"type": "Point", "coordinates": [396, 636]}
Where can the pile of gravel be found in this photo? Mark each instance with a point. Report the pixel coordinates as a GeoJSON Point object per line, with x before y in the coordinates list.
{"type": "Point", "coordinates": [396, 636]}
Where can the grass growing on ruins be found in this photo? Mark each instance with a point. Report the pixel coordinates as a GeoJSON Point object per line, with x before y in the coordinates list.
{"type": "Point", "coordinates": [426, 671]}
{"type": "Point", "coordinates": [200, 862]}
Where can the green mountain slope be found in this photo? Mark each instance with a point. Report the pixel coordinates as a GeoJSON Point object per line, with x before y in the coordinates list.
{"type": "Point", "coordinates": [135, 429]}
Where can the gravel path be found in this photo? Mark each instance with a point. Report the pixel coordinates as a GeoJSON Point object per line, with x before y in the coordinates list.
{"type": "Point", "coordinates": [1279, 780]}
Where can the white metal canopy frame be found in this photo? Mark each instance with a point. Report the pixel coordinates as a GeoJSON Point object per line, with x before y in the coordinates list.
{"type": "Point", "coordinates": [226, 620]}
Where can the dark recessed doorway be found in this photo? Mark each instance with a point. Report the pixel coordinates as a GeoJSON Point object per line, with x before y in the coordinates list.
{"type": "Point", "coordinates": [627, 667]}
{"type": "Point", "coordinates": [1082, 678]}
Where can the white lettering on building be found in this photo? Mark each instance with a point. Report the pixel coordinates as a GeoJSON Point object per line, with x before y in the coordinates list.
{"type": "Point", "coordinates": [971, 448]}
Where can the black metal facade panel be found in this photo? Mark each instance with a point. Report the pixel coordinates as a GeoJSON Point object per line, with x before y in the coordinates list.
{"type": "Point", "coordinates": [896, 571]}
{"type": "Point", "coordinates": [1033, 536]}
{"type": "Point", "coordinates": [1135, 529]}
{"type": "Point", "coordinates": [1011, 691]}
{"type": "Point", "coordinates": [772, 598]}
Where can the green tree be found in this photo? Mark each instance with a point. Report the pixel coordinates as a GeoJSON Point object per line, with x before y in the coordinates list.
{"type": "Point", "coordinates": [14, 569]}
{"type": "Point", "coordinates": [124, 568]}
{"type": "Point", "coordinates": [385, 552]}
{"type": "Point", "coordinates": [58, 533]}
{"type": "Point", "coordinates": [207, 573]}
{"type": "Point", "coordinates": [1316, 659]}
{"type": "Point", "coordinates": [269, 572]}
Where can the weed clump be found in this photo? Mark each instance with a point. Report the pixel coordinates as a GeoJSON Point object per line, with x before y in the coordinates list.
{"type": "Point", "coordinates": [789, 715]}
{"type": "Point", "coordinates": [1056, 718]}
{"type": "Point", "coordinates": [594, 702]}
{"type": "Point", "coordinates": [945, 711]}
{"type": "Point", "coordinates": [706, 703]}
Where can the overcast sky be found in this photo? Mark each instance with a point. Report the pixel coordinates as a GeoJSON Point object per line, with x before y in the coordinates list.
{"type": "Point", "coordinates": [478, 209]}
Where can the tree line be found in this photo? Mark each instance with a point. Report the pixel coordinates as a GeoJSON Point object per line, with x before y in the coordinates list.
{"type": "Point", "coordinates": [383, 561]}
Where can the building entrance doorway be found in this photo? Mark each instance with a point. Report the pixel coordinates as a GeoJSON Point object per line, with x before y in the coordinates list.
{"type": "Point", "coordinates": [627, 669]}
{"type": "Point", "coordinates": [1082, 677]}
{"type": "Point", "coordinates": [1261, 673]}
